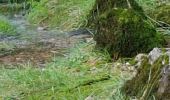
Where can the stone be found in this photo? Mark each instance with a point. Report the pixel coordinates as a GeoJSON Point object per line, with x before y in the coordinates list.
{"type": "Point", "coordinates": [164, 85]}
{"type": "Point", "coordinates": [152, 77]}
{"type": "Point", "coordinates": [122, 28]}
{"type": "Point", "coordinates": [139, 58]}
{"type": "Point", "coordinates": [154, 55]}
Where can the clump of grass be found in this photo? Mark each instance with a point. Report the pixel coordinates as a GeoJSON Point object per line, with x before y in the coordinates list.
{"type": "Point", "coordinates": [6, 28]}
{"type": "Point", "coordinates": [148, 5]}
{"type": "Point", "coordinates": [62, 14]}
{"type": "Point", "coordinates": [80, 74]}
{"type": "Point", "coordinates": [10, 8]}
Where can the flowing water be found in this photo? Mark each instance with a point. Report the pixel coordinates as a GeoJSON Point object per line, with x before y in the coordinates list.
{"type": "Point", "coordinates": [35, 45]}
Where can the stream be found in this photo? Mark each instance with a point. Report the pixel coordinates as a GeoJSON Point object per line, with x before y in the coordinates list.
{"type": "Point", "coordinates": [35, 45]}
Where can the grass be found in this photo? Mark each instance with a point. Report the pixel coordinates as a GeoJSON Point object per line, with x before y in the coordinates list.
{"type": "Point", "coordinates": [10, 8]}
{"type": "Point", "coordinates": [83, 72]}
{"type": "Point", "coordinates": [148, 5]}
{"type": "Point", "coordinates": [61, 14]}
{"type": "Point", "coordinates": [5, 27]}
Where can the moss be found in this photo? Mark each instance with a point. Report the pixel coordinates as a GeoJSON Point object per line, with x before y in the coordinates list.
{"type": "Point", "coordinates": [102, 6]}
{"type": "Point", "coordinates": [145, 84]}
{"type": "Point", "coordinates": [122, 28]}
{"type": "Point", "coordinates": [124, 32]}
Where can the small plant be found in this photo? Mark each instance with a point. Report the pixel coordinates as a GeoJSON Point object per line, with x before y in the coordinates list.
{"type": "Point", "coordinates": [6, 28]}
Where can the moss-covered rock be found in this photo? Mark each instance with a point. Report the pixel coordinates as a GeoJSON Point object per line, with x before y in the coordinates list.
{"type": "Point", "coordinates": [122, 28]}
{"type": "Point", "coordinates": [102, 6]}
{"type": "Point", "coordinates": [164, 86]}
{"type": "Point", "coordinates": [146, 83]}
{"type": "Point", "coordinates": [123, 32]}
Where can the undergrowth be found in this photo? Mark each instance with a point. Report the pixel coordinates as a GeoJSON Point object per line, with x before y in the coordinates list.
{"type": "Point", "coordinates": [5, 27]}
{"type": "Point", "coordinates": [61, 14]}
{"type": "Point", "coordinates": [147, 5]}
{"type": "Point", "coordinates": [82, 73]}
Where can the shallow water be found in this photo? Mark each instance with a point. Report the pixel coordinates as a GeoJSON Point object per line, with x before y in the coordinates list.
{"type": "Point", "coordinates": [32, 44]}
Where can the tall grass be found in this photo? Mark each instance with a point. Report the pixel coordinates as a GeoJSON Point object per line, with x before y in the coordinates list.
{"type": "Point", "coordinates": [151, 5]}
{"type": "Point", "coordinates": [62, 14]}
{"type": "Point", "coordinates": [147, 4]}
{"type": "Point", "coordinates": [5, 27]}
{"type": "Point", "coordinates": [74, 77]}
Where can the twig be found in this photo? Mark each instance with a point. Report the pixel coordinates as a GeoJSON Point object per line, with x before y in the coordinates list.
{"type": "Point", "coordinates": [129, 5]}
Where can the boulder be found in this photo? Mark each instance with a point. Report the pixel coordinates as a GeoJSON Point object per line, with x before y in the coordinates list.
{"type": "Point", "coordinates": [122, 28]}
{"type": "Point", "coordinates": [157, 52]}
{"type": "Point", "coordinates": [164, 84]}
{"type": "Point", "coordinates": [154, 55]}
{"type": "Point", "coordinates": [152, 78]}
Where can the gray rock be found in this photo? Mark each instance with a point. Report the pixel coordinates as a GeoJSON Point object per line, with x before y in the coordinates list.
{"type": "Point", "coordinates": [139, 58]}
{"type": "Point", "coordinates": [154, 55]}
{"type": "Point", "coordinates": [164, 85]}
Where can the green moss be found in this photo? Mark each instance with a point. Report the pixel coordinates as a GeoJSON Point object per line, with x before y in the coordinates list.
{"type": "Point", "coordinates": [103, 6]}
{"type": "Point", "coordinates": [125, 32]}
{"type": "Point", "coordinates": [145, 84]}
{"type": "Point", "coordinates": [122, 28]}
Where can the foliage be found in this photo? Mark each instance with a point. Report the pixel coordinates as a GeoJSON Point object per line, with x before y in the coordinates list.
{"type": "Point", "coordinates": [148, 5]}
{"type": "Point", "coordinates": [62, 14]}
{"type": "Point", "coordinates": [162, 13]}
{"type": "Point", "coordinates": [6, 28]}
{"type": "Point", "coordinates": [10, 8]}
{"type": "Point", "coordinates": [151, 5]}
{"type": "Point", "coordinates": [16, 1]}
{"type": "Point", "coordinates": [72, 77]}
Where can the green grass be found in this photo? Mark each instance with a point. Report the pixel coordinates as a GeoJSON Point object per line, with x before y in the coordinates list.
{"type": "Point", "coordinates": [5, 27]}
{"type": "Point", "coordinates": [82, 73]}
{"type": "Point", "coordinates": [147, 4]}
{"type": "Point", "coordinates": [150, 5]}
{"type": "Point", "coordinates": [9, 8]}
{"type": "Point", "coordinates": [62, 14]}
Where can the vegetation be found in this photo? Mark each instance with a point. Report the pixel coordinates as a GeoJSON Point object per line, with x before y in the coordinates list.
{"type": "Point", "coordinates": [38, 64]}
{"type": "Point", "coordinates": [83, 73]}
{"type": "Point", "coordinates": [123, 31]}
{"type": "Point", "coordinates": [66, 14]}
{"type": "Point", "coordinates": [162, 13]}
{"type": "Point", "coordinates": [146, 82]}
{"type": "Point", "coordinates": [5, 27]}
{"type": "Point", "coordinates": [99, 8]}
